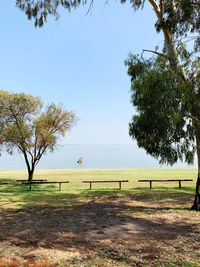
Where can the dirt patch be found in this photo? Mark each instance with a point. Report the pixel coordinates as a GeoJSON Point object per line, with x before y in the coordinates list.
{"type": "Point", "coordinates": [102, 232]}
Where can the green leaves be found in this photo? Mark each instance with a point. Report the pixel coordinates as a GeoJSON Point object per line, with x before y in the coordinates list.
{"type": "Point", "coordinates": [162, 125]}
{"type": "Point", "coordinates": [39, 10]}
{"type": "Point", "coordinates": [29, 130]}
{"type": "Point", "coordinates": [52, 124]}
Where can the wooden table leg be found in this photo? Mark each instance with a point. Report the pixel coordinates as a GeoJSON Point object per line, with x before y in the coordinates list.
{"type": "Point", "coordinates": [60, 186]}
{"type": "Point", "coordinates": [179, 184]}
{"type": "Point", "coordinates": [150, 183]}
{"type": "Point", "coordinates": [90, 186]}
{"type": "Point", "coordinates": [120, 185]}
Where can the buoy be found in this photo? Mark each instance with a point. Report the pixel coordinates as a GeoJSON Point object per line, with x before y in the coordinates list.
{"type": "Point", "coordinates": [80, 160]}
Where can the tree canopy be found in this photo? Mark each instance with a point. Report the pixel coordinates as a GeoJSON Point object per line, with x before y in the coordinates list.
{"type": "Point", "coordinates": [30, 129]}
{"type": "Point", "coordinates": [163, 124]}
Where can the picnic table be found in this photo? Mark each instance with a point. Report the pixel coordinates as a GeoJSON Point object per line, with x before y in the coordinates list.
{"type": "Point", "coordinates": [34, 180]}
{"type": "Point", "coordinates": [106, 181]}
{"type": "Point", "coordinates": [164, 181]}
{"type": "Point", "coordinates": [45, 182]}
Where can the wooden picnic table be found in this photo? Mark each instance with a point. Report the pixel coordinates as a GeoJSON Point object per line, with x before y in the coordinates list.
{"type": "Point", "coordinates": [34, 180]}
{"type": "Point", "coordinates": [163, 181]}
{"type": "Point", "coordinates": [46, 182]}
{"type": "Point", "coordinates": [106, 181]}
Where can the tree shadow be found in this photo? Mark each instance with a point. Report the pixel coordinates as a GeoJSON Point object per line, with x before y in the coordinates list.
{"type": "Point", "coordinates": [96, 221]}
{"type": "Point", "coordinates": [87, 220]}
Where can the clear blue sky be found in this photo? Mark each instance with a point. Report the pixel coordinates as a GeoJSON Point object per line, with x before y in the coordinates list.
{"type": "Point", "coordinates": [79, 62]}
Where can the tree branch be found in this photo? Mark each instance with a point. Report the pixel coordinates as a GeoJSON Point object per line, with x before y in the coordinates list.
{"type": "Point", "coordinates": [169, 43]}
{"type": "Point", "coordinates": [161, 7]}
{"type": "Point", "coordinates": [196, 74]}
{"type": "Point", "coordinates": [155, 6]}
{"type": "Point", "coordinates": [192, 117]}
{"type": "Point", "coordinates": [90, 7]}
{"type": "Point", "coordinates": [155, 52]}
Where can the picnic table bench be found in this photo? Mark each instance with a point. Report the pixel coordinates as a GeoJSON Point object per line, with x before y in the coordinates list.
{"type": "Point", "coordinates": [171, 180]}
{"type": "Point", "coordinates": [46, 182]}
{"type": "Point", "coordinates": [100, 181]}
{"type": "Point", "coordinates": [2, 183]}
{"type": "Point", "coordinates": [34, 180]}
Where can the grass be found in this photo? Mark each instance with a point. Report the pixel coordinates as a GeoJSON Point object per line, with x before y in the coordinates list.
{"type": "Point", "coordinates": [134, 226]}
{"type": "Point", "coordinates": [77, 176]}
{"type": "Point", "coordinates": [15, 194]}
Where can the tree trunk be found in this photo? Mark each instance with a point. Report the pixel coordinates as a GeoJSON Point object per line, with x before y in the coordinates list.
{"type": "Point", "coordinates": [196, 204]}
{"type": "Point", "coordinates": [30, 175]}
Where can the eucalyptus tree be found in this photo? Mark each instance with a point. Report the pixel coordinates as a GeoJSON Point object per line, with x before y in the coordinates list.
{"type": "Point", "coordinates": [30, 129]}
{"type": "Point", "coordinates": [179, 22]}
{"type": "Point", "coordinates": [167, 118]}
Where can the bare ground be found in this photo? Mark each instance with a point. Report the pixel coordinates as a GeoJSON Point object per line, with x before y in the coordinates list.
{"type": "Point", "coordinates": [102, 231]}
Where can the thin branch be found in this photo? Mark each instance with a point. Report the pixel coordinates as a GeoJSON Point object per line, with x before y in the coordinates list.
{"type": "Point", "coordinates": [189, 38]}
{"type": "Point", "coordinates": [192, 117]}
{"type": "Point", "coordinates": [90, 7]}
{"type": "Point", "coordinates": [196, 74]}
{"type": "Point", "coordinates": [155, 52]}
{"type": "Point", "coordinates": [29, 152]}
{"type": "Point", "coordinates": [106, 3]}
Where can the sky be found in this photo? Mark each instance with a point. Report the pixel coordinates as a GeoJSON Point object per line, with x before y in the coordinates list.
{"type": "Point", "coordinates": [78, 61]}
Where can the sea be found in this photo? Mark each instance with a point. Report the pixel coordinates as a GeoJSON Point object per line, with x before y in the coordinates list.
{"type": "Point", "coordinates": [95, 156]}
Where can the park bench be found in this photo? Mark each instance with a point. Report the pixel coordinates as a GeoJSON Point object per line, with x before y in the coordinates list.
{"type": "Point", "coordinates": [163, 181]}
{"type": "Point", "coordinates": [2, 183]}
{"type": "Point", "coordinates": [45, 182]}
{"type": "Point", "coordinates": [34, 180]}
{"type": "Point", "coordinates": [113, 181]}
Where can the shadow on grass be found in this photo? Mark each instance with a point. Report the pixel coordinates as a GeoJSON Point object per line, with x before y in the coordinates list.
{"type": "Point", "coordinates": [49, 195]}
{"type": "Point", "coordinates": [85, 224]}
{"type": "Point", "coordinates": [143, 194]}
{"type": "Point", "coordinates": [75, 219]}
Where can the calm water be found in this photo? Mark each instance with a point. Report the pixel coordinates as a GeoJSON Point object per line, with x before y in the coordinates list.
{"type": "Point", "coordinates": [94, 157]}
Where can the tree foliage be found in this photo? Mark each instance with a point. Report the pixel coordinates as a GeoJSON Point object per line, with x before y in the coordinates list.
{"type": "Point", "coordinates": [179, 16]}
{"type": "Point", "coordinates": [38, 10]}
{"type": "Point", "coordinates": [163, 124]}
{"type": "Point", "coordinates": [25, 126]}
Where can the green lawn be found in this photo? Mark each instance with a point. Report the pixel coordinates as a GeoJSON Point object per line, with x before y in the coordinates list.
{"type": "Point", "coordinates": [15, 194]}
{"type": "Point", "coordinates": [77, 176]}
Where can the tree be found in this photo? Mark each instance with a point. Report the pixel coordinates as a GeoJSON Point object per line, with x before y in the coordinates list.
{"type": "Point", "coordinates": [26, 127]}
{"type": "Point", "coordinates": [166, 110]}
{"type": "Point", "coordinates": [167, 123]}
{"type": "Point", "coordinates": [180, 136]}
{"type": "Point", "coordinates": [176, 19]}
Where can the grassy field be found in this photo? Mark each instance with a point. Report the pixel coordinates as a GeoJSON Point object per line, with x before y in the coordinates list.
{"type": "Point", "coordinates": [77, 176]}
{"type": "Point", "coordinates": [103, 227]}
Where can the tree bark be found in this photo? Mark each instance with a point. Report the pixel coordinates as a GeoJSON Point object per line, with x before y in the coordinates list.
{"type": "Point", "coordinates": [196, 204]}
{"type": "Point", "coordinates": [30, 174]}
{"type": "Point", "coordinates": [169, 42]}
